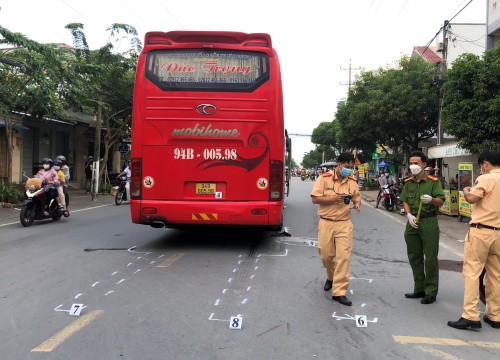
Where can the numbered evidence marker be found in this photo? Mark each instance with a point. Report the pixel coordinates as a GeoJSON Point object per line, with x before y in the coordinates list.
{"type": "Point", "coordinates": [75, 309]}
{"type": "Point", "coordinates": [235, 322]}
{"type": "Point", "coordinates": [361, 321]}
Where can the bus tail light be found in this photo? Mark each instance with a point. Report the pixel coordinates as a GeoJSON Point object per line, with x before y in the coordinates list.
{"type": "Point", "coordinates": [135, 181]}
{"type": "Point", "coordinates": [276, 181]}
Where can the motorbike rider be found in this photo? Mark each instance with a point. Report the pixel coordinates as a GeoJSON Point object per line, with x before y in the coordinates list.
{"type": "Point", "coordinates": [51, 181]}
{"type": "Point", "coordinates": [60, 188]}
{"type": "Point", "coordinates": [387, 179]}
{"type": "Point", "coordinates": [67, 177]}
{"type": "Point", "coordinates": [128, 173]}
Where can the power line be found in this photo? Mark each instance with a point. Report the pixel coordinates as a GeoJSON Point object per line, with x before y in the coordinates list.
{"type": "Point", "coordinates": [400, 11]}
{"type": "Point", "coordinates": [461, 10]}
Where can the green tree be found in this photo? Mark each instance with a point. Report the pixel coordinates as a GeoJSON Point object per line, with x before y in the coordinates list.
{"type": "Point", "coordinates": [326, 134]}
{"type": "Point", "coordinates": [32, 79]}
{"type": "Point", "coordinates": [472, 101]}
{"type": "Point", "coordinates": [109, 79]}
{"type": "Point", "coordinates": [393, 107]}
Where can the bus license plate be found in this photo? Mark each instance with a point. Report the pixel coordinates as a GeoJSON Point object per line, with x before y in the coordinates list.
{"type": "Point", "coordinates": [205, 188]}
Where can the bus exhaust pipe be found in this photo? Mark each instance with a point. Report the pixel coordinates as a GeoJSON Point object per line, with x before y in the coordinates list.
{"type": "Point", "coordinates": [158, 224]}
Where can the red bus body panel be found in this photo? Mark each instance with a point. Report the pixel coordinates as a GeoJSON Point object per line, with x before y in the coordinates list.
{"type": "Point", "coordinates": [172, 138]}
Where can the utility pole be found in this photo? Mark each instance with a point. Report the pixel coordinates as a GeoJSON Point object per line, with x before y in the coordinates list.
{"type": "Point", "coordinates": [350, 69]}
{"type": "Point", "coordinates": [440, 129]}
{"type": "Point", "coordinates": [97, 152]}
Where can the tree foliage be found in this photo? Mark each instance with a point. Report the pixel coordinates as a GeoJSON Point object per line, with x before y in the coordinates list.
{"type": "Point", "coordinates": [395, 107]}
{"type": "Point", "coordinates": [472, 101]}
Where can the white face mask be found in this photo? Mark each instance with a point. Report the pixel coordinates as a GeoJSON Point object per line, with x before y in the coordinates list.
{"type": "Point", "coordinates": [415, 169]}
{"type": "Point", "coordinates": [56, 168]}
{"type": "Point", "coordinates": [46, 166]}
{"type": "Point", "coordinates": [387, 174]}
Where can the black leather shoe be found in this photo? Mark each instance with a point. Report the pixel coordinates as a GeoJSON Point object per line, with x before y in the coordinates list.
{"type": "Point", "coordinates": [328, 285]}
{"type": "Point", "coordinates": [428, 299]}
{"type": "Point", "coordinates": [415, 295]}
{"type": "Point", "coordinates": [464, 324]}
{"type": "Point", "coordinates": [494, 324]}
{"type": "Point", "coordinates": [343, 300]}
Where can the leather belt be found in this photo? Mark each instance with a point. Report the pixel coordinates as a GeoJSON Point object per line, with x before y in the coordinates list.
{"type": "Point", "coordinates": [479, 226]}
{"type": "Point", "coordinates": [324, 218]}
{"type": "Point", "coordinates": [426, 216]}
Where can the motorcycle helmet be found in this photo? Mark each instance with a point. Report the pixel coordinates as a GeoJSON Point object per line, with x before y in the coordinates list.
{"type": "Point", "coordinates": [62, 158]}
{"type": "Point", "coordinates": [47, 163]}
{"type": "Point", "coordinates": [58, 162]}
{"type": "Point", "coordinates": [430, 170]}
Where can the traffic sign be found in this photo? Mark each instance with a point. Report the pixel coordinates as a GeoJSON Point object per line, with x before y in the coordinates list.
{"type": "Point", "coordinates": [123, 148]}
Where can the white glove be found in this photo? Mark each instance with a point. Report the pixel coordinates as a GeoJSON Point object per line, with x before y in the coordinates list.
{"type": "Point", "coordinates": [426, 199]}
{"type": "Point", "coordinates": [411, 220]}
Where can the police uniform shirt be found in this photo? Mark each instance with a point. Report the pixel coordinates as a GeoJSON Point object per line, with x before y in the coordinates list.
{"type": "Point", "coordinates": [487, 210]}
{"type": "Point", "coordinates": [330, 185]}
{"type": "Point", "coordinates": [413, 190]}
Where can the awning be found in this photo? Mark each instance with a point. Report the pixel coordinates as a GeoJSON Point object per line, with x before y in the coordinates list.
{"type": "Point", "coordinates": [384, 163]}
{"type": "Point", "coordinates": [15, 127]}
{"type": "Point", "coordinates": [447, 151]}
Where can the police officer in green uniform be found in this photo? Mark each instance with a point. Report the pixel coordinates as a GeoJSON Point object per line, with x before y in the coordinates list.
{"type": "Point", "coordinates": [422, 233]}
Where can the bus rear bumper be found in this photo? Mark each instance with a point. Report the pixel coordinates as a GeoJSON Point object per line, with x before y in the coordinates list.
{"type": "Point", "coordinates": [154, 212]}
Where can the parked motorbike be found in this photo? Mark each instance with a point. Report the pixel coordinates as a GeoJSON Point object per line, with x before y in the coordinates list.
{"type": "Point", "coordinates": [38, 207]}
{"type": "Point", "coordinates": [389, 199]}
{"type": "Point", "coordinates": [121, 194]}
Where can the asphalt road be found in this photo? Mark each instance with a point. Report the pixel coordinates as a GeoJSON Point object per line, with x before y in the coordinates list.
{"type": "Point", "coordinates": [169, 294]}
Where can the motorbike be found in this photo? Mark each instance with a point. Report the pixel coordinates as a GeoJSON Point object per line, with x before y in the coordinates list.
{"type": "Point", "coordinates": [38, 207]}
{"type": "Point", "coordinates": [312, 176]}
{"type": "Point", "coordinates": [121, 194]}
{"type": "Point", "coordinates": [303, 177]}
{"type": "Point", "coordinates": [389, 198]}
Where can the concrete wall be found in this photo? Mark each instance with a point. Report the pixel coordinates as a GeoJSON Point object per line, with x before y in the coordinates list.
{"type": "Point", "coordinates": [464, 38]}
{"type": "Point", "coordinates": [493, 24]}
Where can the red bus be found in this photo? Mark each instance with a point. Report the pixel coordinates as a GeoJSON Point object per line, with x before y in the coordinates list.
{"type": "Point", "coordinates": [208, 138]}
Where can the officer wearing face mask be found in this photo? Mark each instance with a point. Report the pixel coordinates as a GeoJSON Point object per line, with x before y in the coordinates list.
{"type": "Point", "coordinates": [333, 192]}
{"type": "Point", "coordinates": [422, 234]}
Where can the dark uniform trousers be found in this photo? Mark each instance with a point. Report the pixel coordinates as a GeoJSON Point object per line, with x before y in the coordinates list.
{"type": "Point", "coordinates": [423, 246]}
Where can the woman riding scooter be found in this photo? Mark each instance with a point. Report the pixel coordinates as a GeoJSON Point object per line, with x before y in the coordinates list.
{"type": "Point", "coordinates": [50, 179]}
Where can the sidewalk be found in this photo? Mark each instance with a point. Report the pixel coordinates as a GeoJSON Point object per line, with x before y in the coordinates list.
{"type": "Point", "coordinates": [448, 225]}
{"type": "Point", "coordinates": [78, 200]}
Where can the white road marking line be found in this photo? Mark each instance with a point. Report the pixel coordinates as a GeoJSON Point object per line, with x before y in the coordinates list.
{"type": "Point", "coordinates": [211, 317]}
{"type": "Point", "coordinates": [74, 211]}
{"type": "Point", "coordinates": [131, 249]}
{"type": "Point", "coordinates": [349, 317]}
{"type": "Point", "coordinates": [449, 248]}
{"type": "Point", "coordinates": [135, 272]}
{"type": "Point", "coordinates": [119, 282]}
{"type": "Point", "coordinates": [77, 296]}
{"type": "Point", "coordinates": [256, 260]}
{"type": "Point", "coordinates": [94, 284]}
{"type": "Point", "coordinates": [234, 270]}
{"type": "Point", "coordinates": [56, 309]}
{"type": "Point", "coordinates": [217, 302]}
{"type": "Point", "coordinates": [129, 264]}
{"type": "Point", "coordinates": [152, 262]}
{"type": "Point", "coordinates": [230, 279]}
{"type": "Point", "coordinates": [224, 291]}
{"type": "Point", "coordinates": [140, 257]}
{"type": "Point", "coordinates": [159, 257]}
{"type": "Point", "coordinates": [116, 272]}
{"type": "Point", "coordinates": [244, 301]}
{"type": "Point", "coordinates": [252, 276]}
{"type": "Point", "coordinates": [248, 288]}
{"type": "Point", "coordinates": [363, 305]}
{"type": "Point", "coordinates": [285, 254]}
{"type": "Point", "coordinates": [239, 262]}
{"type": "Point", "coordinates": [256, 268]}
{"type": "Point", "coordinates": [109, 292]}
{"type": "Point", "coordinates": [355, 278]}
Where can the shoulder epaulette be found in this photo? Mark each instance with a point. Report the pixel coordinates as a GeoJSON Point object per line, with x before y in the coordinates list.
{"type": "Point", "coordinates": [433, 178]}
{"type": "Point", "coordinates": [406, 180]}
{"type": "Point", "coordinates": [326, 174]}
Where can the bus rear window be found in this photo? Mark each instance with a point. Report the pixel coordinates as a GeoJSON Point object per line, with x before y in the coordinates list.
{"type": "Point", "coordinates": [207, 70]}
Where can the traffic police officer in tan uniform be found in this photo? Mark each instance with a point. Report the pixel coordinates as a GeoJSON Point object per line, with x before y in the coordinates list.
{"type": "Point", "coordinates": [422, 236]}
{"type": "Point", "coordinates": [482, 245]}
{"type": "Point", "coordinates": [333, 192]}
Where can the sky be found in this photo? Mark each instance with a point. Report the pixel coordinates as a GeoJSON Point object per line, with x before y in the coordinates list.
{"type": "Point", "coordinates": [314, 39]}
